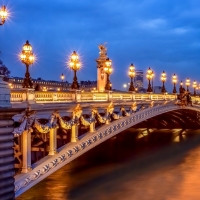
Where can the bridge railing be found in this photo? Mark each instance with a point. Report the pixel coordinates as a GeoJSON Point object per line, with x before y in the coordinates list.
{"type": "Point", "coordinates": [18, 96]}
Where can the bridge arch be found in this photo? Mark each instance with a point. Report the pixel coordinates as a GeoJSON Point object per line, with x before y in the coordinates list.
{"type": "Point", "coordinates": [71, 151]}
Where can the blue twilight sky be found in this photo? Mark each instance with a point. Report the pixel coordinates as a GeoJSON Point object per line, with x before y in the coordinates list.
{"type": "Point", "coordinates": [161, 34]}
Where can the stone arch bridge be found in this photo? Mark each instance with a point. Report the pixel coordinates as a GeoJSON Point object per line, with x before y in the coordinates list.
{"type": "Point", "coordinates": [116, 119]}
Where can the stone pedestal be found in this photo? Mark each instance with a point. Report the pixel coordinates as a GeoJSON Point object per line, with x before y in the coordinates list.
{"type": "Point", "coordinates": [76, 96]}
{"type": "Point", "coordinates": [28, 96]}
{"type": "Point", "coordinates": [4, 93]}
{"type": "Point", "coordinates": [101, 75]}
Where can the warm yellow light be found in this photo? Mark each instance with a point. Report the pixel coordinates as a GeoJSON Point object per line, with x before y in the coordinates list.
{"type": "Point", "coordinates": [74, 63]}
{"type": "Point", "coordinates": [194, 84]}
{"type": "Point", "coordinates": [78, 65]}
{"type": "Point", "coordinates": [131, 71]}
{"type": "Point", "coordinates": [174, 78]}
{"type": "Point", "coordinates": [108, 62]}
{"type": "Point", "coordinates": [74, 56]}
{"type": "Point", "coordinates": [150, 74]}
{"type": "Point", "coordinates": [108, 66]}
{"type": "Point", "coordinates": [149, 71]}
{"type": "Point", "coordinates": [27, 56]}
{"type": "Point", "coordinates": [3, 14]}
{"type": "Point", "coordinates": [187, 82]}
{"type": "Point", "coordinates": [163, 76]}
{"type": "Point", "coordinates": [71, 64]}
{"type": "Point", "coordinates": [62, 76]}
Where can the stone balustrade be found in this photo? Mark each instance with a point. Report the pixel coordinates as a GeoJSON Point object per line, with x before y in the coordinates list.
{"type": "Point", "coordinates": [18, 96]}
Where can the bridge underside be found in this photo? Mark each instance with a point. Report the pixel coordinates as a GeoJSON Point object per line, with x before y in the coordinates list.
{"type": "Point", "coordinates": [178, 119]}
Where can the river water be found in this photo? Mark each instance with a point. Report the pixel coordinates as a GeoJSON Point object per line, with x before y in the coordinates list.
{"type": "Point", "coordinates": [161, 166]}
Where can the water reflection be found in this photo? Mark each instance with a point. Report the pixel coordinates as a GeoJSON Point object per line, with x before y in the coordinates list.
{"type": "Point", "coordinates": [125, 167]}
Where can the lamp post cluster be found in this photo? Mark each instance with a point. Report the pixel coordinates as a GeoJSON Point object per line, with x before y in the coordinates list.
{"type": "Point", "coordinates": [28, 58]}
{"type": "Point", "coordinates": [3, 15]}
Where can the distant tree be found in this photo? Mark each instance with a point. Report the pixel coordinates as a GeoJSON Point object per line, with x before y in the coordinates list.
{"type": "Point", "coordinates": [4, 70]}
{"type": "Point", "coordinates": [37, 87]}
{"type": "Point", "coordinates": [39, 79]}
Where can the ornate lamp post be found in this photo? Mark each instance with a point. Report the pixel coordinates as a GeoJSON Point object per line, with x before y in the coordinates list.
{"type": "Point", "coordinates": [195, 86]}
{"type": "Point", "coordinates": [28, 59]}
{"type": "Point", "coordinates": [75, 65]}
{"type": "Point", "coordinates": [163, 79]}
{"type": "Point", "coordinates": [108, 70]}
{"type": "Point", "coordinates": [149, 78]}
{"type": "Point", "coordinates": [174, 80]}
{"type": "Point", "coordinates": [187, 83]}
{"type": "Point", "coordinates": [62, 78]}
{"type": "Point", "coordinates": [132, 75]}
{"type": "Point", "coordinates": [3, 15]}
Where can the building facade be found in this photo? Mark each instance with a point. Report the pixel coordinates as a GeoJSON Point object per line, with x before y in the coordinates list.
{"type": "Point", "coordinates": [49, 85]}
{"type": "Point", "coordinates": [139, 79]}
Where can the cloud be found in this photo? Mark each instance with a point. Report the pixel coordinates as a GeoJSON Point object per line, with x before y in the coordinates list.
{"type": "Point", "coordinates": [180, 30]}
{"type": "Point", "coordinates": [152, 24]}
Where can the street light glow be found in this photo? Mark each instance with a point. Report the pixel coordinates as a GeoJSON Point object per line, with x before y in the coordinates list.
{"type": "Point", "coordinates": [3, 14]}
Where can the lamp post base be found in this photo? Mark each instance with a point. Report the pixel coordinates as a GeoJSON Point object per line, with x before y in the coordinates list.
{"type": "Point", "coordinates": [75, 84]}
{"type": "Point", "coordinates": [131, 88]}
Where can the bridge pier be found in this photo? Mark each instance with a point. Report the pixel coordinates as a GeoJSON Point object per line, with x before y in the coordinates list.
{"type": "Point", "coordinates": [53, 141]}
{"type": "Point", "coordinates": [7, 159]}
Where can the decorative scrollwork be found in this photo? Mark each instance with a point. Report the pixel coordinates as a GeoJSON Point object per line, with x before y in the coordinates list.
{"type": "Point", "coordinates": [76, 114]}
{"type": "Point", "coordinates": [91, 119]}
